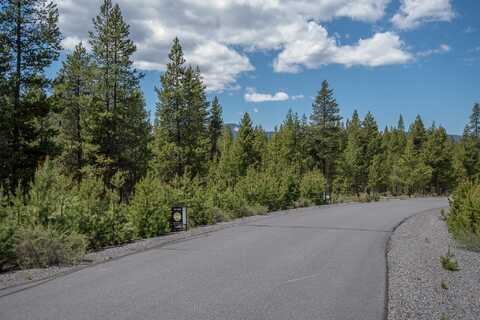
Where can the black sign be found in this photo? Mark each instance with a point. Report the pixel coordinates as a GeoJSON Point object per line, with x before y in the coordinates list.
{"type": "Point", "coordinates": [179, 219]}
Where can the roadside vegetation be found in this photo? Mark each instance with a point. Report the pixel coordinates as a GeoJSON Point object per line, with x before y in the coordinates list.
{"type": "Point", "coordinates": [448, 263]}
{"type": "Point", "coordinates": [464, 216]}
{"type": "Point", "coordinates": [82, 166]}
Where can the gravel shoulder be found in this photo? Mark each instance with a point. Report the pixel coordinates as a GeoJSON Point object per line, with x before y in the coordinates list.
{"type": "Point", "coordinates": [415, 273]}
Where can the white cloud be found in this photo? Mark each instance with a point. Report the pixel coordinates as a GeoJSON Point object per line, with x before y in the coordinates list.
{"type": "Point", "coordinates": [218, 35]}
{"type": "Point", "coordinates": [224, 69]}
{"type": "Point", "coordinates": [443, 48]}
{"type": "Point", "coordinates": [382, 49]}
{"type": "Point", "coordinates": [253, 96]}
{"type": "Point", "coordinates": [71, 42]}
{"type": "Point", "coordinates": [413, 13]}
{"type": "Point", "coordinates": [317, 50]}
{"type": "Point", "coordinates": [255, 110]}
{"type": "Point", "coordinates": [297, 97]}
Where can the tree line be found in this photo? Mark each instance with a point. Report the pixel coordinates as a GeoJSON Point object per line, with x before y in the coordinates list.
{"type": "Point", "coordinates": [82, 164]}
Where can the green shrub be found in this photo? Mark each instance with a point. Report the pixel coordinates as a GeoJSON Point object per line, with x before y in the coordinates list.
{"type": "Point", "coordinates": [193, 194]}
{"type": "Point", "coordinates": [7, 244]}
{"type": "Point", "coordinates": [41, 247]}
{"type": "Point", "coordinates": [217, 203]}
{"type": "Point", "coordinates": [99, 212]}
{"type": "Point", "coordinates": [149, 209]}
{"type": "Point", "coordinates": [230, 202]}
{"type": "Point", "coordinates": [255, 209]}
{"type": "Point", "coordinates": [270, 189]}
{"type": "Point", "coordinates": [449, 264]}
{"type": "Point", "coordinates": [90, 209]}
{"type": "Point", "coordinates": [302, 203]}
{"type": "Point", "coordinates": [444, 285]}
{"type": "Point", "coordinates": [312, 186]}
{"type": "Point", "coordinates": [51, 199]}
{"type": "Point", "coordinates": [468, 240]}
{"type": "Point", "coordinates": [221, 215]}
{"type": "Point", "coordinates": [464, 216]}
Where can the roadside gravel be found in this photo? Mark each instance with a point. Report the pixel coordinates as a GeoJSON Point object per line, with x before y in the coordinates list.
{"type": "Point", "coordinates": [415, 273]}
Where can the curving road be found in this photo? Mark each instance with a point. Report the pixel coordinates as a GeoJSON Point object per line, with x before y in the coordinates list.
{"type": "Point", "coordinates": [316, 263]}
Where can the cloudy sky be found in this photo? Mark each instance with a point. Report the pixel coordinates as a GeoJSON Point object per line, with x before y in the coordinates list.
{"type": "Point", "coordinates": [266, 56]}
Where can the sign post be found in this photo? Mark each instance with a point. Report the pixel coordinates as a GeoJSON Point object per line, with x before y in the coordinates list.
{"type": "Point", "coordinates": [179, 219]}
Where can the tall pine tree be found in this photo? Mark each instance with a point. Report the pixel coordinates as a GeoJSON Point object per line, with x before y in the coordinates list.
{"type": "Point", "coordinates": [215, 127]}
{"type": "Point", "coordinates": [325, 133]}
{"type": "Point", "coordinates": [350, 162]}
{"type": "Point", "coordinates": [73, 94]}
{"type": "Point", "coordinates": [120, 129]}
{"type": "Point", "coordinates": [181, 138]}
{"type": "Point", "coordinates": [473, 127]}
{"type": "Point", "coordinates": [418, 134]}
{"type": "Point", "coordinates": [244, 145]}
{"type": "Point", "coordinates": [438, 154]}
{"type": "Point", "coordinates": [371, 147]}
{"type": "Point", "coordinates": [29, 43]}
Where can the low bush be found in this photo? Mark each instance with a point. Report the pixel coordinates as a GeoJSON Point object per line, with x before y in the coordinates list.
{"type": "Point", "coordinates": [230, 203]}
{"type": "Point", "coordinates": [444, 285]}
{"type": "Point", "coordinates": [41, 247]}
{"type": "Point", "coordinates": [313, 186]}
{"type": "Point", "coordinates": [302, 203]}
{"type": "Point", "coordinates": [449, 264]}
{"type": "Point", "coordinates": [194, 195]}
{"type": "Point", "coordinates": [149, 208]}
{"type": "Point", "coordinates": [464, 215]}
{"type": "Point", "coordinates": [270, 189]}
{"type": "Point", "coordinates": [7, 244]}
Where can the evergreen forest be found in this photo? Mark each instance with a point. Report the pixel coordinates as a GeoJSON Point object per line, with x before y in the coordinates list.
{"type": "Point", "coordinates": [84, 166]}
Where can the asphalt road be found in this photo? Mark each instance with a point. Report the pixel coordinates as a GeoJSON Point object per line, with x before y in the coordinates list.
{"type": "Point", "coordinates": [319, 263]}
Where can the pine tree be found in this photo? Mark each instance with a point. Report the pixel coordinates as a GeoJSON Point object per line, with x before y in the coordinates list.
{"type": "Point", "coordinates": [195, 124]}
{"type": "Point", "coordinates": [29, 43]}
{"type": "Point", "coordinates": [224, 174]}
{"type": "Point", "coordinates": [411, 172]}
{"type": "Point", "coordinates": [215, 126]}
{"type": "Point", "coordinates": [244, 145]}
{"type": "Point", "coordinates": [121, 127]}
{"type": "Point", "coordinates": [437, 154]}
{"type": "Point", "coordinates": [377, 174]}
{"type": "Point", "coordinates": [371, 146]}
{"type": "Point", "coordinates": [467, 159]}
{"type": "Point", "coordinates": [181, 136]}
{"type": "Point", "coordinates": [167, 161]}
{"type": "Point", "coordinates": [73, 94]}
{"type": "Point", "coordinates": [418, 133]}
{"type": "Point", "coordinates": [401, 124]}
{"type": "Point", "coordinates": [473, 127]}
{"type": "Point", "coordinates": [287, 145]}
{"type": "Point", "coordinates": [325, 109]}
{"type": "Point", "coordinates": [393, 144]}
{"type": "Point", "coordinates": [325, 133]}
{"type": "Point", "coordinates": [350, 161]}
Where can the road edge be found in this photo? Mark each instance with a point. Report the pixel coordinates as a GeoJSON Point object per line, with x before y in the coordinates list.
{"type": "Point", "coordinates": [387, 249]}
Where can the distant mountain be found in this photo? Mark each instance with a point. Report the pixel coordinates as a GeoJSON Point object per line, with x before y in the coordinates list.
{"type": "Point", "coordinates": [234, 127]}
{"type": "Point", "coordinates": [455, 137]}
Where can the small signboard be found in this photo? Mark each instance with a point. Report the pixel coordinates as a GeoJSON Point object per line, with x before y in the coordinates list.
{"type": "Point", "coordinates": [179, 219]}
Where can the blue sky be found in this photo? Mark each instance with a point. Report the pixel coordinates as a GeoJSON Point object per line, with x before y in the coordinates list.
{"type": "Point", "coordinates": [265, 57]}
